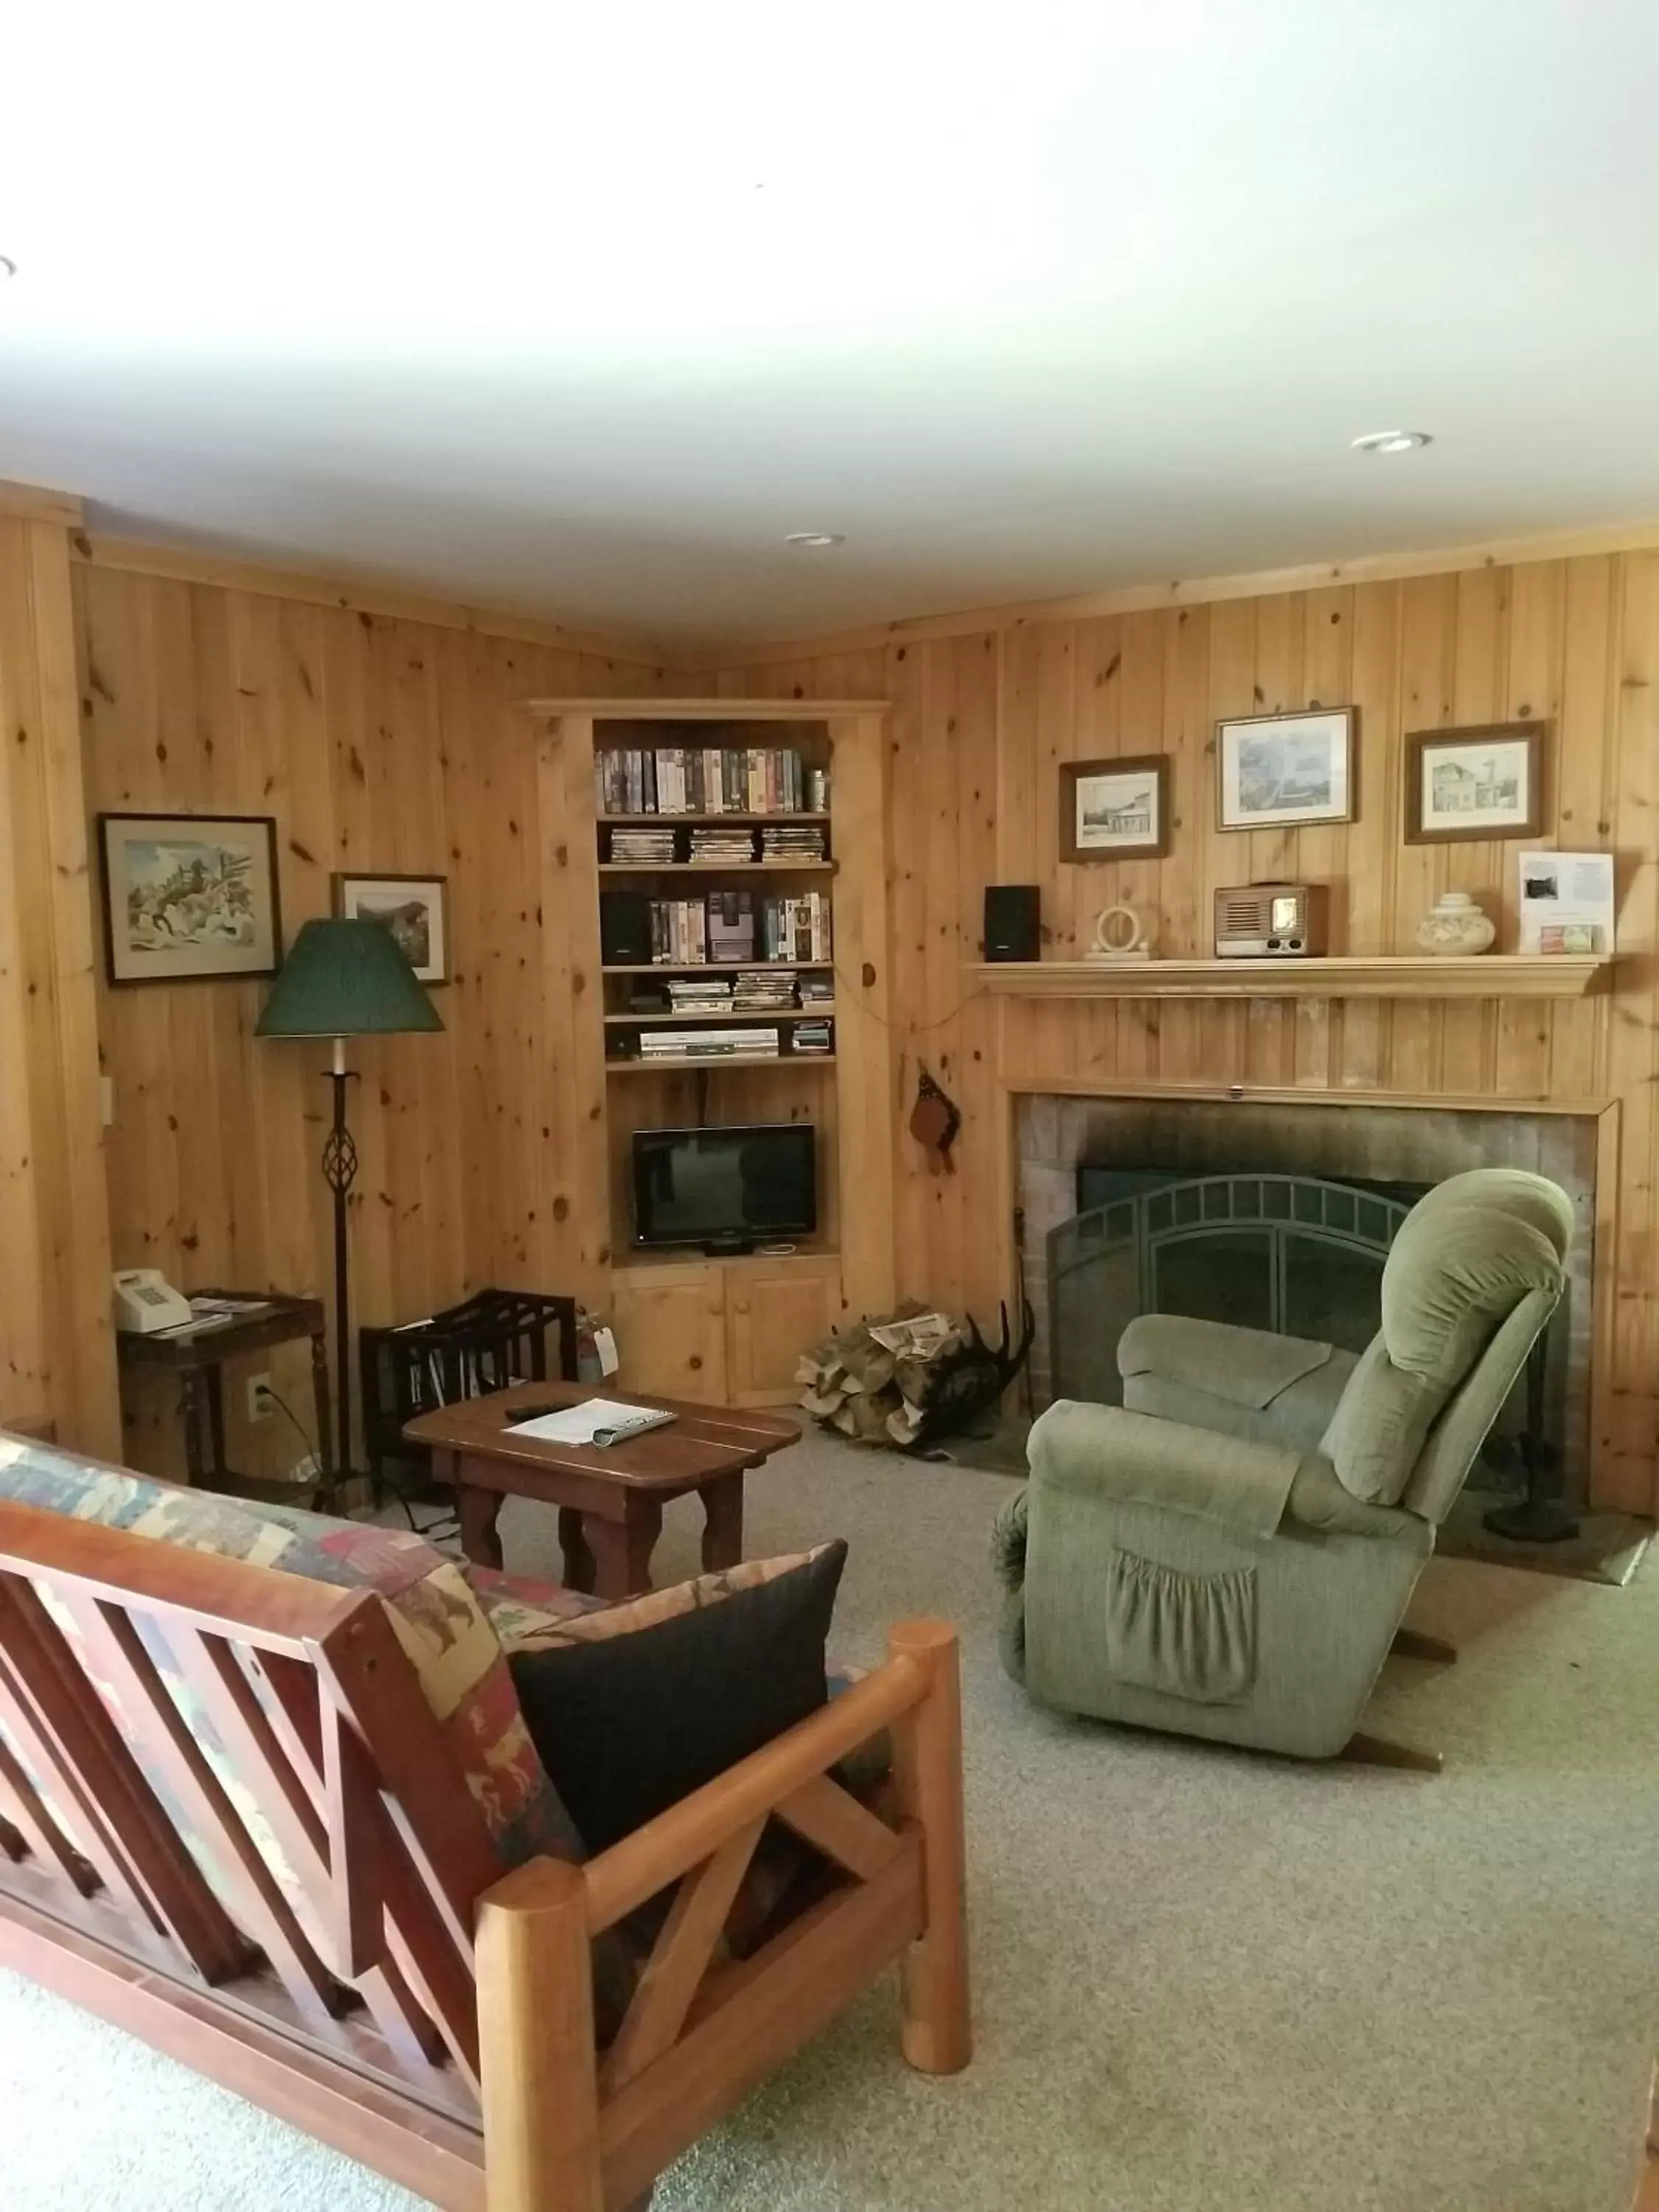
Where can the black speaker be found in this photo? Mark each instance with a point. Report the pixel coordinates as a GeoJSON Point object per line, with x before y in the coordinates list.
{"type": "Point", "coordinates": [1013, 921]}
{"type": "Point", "coordinates": [624, 929]}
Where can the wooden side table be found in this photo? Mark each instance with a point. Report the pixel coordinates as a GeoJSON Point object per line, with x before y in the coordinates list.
{"type": "Point", "coordinates": [196, 1355]}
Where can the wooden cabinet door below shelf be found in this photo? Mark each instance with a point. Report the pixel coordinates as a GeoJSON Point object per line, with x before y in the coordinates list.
{"type": "Point", "coordinates": [771, 1319]}
{"type": "Point", "coordinates": [670, 1334]}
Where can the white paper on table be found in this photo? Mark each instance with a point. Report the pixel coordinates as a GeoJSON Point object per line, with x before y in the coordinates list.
{"type": "Point", "coordinates": [595, 1421]}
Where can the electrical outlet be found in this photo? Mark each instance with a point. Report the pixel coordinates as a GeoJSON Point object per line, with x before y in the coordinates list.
{"type": "Point", "coordinates": [260, 1403]}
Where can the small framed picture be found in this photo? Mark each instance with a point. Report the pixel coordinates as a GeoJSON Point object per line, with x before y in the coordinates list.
{"type": "Point", "coordinates": [189, 897]}
{"type": "Point", "coordinates": [1276, 771]}
{"type": "Point", "coordinates": [1486, 782]}
{"type": "Point", "coordinates": [415, 909]}
{"type": "Point", "coordinates": [1113, 810]}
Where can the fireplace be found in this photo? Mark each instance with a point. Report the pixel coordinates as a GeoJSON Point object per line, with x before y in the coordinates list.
{"type": "Point", "coordinates": [1273, 1215]}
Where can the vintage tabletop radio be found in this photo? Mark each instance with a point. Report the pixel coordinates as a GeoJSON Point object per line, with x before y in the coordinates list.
{"type": "Point", "coordinates": [1270, 921]}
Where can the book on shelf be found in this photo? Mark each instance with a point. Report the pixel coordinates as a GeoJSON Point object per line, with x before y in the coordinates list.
{"type": "Point", "coordinates": [760, 990]}
{"type": "Point", "coordinates": [795, 928]}
{"type": "Point", "coordinates": [734, 928]}
{"type": "Point", "coordinates": [648, 849]}
{"type": "Point", "coordinates": [702, 780]}
{"type": "Point", "coordinates": [714, 847]}
{"type": "Point", "coordinates": [686, 992]}
{"type": "Point", "coordinates": [814, 1037]}
{"type": "Point", "coordinates": [679, 932]}
{"type": "Point", "coordinates": [816, 990]}
{"type": "Point", "coordinates": [803, 841]}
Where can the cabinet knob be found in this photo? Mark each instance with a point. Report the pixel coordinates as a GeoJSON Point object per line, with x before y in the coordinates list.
{"type": "Point", "coordinates": [694, 1361]}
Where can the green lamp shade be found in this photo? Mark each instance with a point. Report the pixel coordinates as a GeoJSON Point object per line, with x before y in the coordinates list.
{"type": "Point", "coordinates": [346, 978]}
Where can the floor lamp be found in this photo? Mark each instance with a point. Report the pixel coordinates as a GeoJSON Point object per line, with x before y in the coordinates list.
{"type": "Point", "coordinates": [344, 979]}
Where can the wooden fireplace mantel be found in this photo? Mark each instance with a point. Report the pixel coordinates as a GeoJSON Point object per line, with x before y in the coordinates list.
{"type": "Point", "coordinates": [1403, 975]}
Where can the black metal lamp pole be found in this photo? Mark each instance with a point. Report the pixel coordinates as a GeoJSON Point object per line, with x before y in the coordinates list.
{"type": "Point", "coordinates": [345, 978]}
{"type": "Point", "coordinates": [340, 1172]}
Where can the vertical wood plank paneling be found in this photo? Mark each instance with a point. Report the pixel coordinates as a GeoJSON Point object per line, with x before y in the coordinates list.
{"type": "Point", "coordinates": [1631, 1060]}
{"type": "Point", "coordinates": [973, 1071]}
{"type": "Point", "coordinates": [1084, 888]}
{"type": "Point", "coordinates": [1582, 770]}
{"type": "Point", "coordinates": [1534, 674]}
{"type": "Point", "coordinates": [866, 1079]}
{"type": "Point", "coordinates": [1140, 725]}
{"type": "Point", "coordinates": [1228, 1029]}
{"type": "Point", "coordinates": [56, 1355]}
{"type": "Point", "coordinates": [381, 744]}
{"type": "Point", "coordinates": [26, 1391]}
{"type": "Point", "coordinates": [378, 743]}
{"type": "Point", "coordinates": [935, 806]}
{"type": "Point", "coordinates": [1054, 1040]}
{"type": "Point", "coordinates": [1327, 681]}
{"type": "Point", "coordinates": [1576, 642]}
{"type": "Point", "coordinates": [1479, 635]}
{"type": "Point", "coordinates": [1184, 919]}
{"type": "Point", "coordinates": [1427, 645]}
{"type": "Point", "coordinates": [911, 735]}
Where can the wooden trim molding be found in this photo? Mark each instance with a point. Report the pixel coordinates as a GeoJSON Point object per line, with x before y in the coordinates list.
{"type": "Point", "coordinates": [706, 709]}
{"type": "Point", "coordinates": [1406, 975]}
{"type": "Point", "coordinates": [35, 503]}
{"type": "Point", "coordinates": [1196, 591]}
{"type": "Point", "coordinates": [185, 565]}
{"type": "Point", "coordinates": [180, 564]}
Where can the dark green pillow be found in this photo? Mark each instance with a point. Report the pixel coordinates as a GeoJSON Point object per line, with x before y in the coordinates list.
{"type": "Point", "coordinates": [634, 1708]}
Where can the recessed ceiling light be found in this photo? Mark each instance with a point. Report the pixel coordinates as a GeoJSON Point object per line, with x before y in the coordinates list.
{"type": "Point", "coordinates": [815, 539]}
{"type": "Point", "coordinates": [1391, 442]}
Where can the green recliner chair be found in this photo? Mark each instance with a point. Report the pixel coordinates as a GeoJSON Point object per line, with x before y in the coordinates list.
{"type": "Point", "coordinates": [1230, 1553]}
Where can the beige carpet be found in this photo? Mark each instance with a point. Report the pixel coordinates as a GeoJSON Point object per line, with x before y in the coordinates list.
{"type": "Point", "coordinates": [1206, 1982]}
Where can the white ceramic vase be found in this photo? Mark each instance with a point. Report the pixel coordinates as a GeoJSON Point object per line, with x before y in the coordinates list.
{"type": "Point", "coordinates": [1454, 924]}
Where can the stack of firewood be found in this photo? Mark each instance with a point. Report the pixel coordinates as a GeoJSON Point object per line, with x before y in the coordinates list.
{"type": "Point", "coordinates": [873, 1382]}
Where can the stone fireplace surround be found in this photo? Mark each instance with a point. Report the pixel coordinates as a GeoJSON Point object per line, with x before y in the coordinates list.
{"type": "Point", "coordinates": [1331, 1136]}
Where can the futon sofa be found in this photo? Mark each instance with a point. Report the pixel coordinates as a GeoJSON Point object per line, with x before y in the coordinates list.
{"type": "Point", "coordinates": [267, 1800]}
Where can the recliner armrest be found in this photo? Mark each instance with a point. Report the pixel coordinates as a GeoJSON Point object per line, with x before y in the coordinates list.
{"type": "Point", "coordinates": [1097, 1453]}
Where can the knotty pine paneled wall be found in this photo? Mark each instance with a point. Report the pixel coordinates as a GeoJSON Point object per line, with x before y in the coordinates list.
{"type": "Point", "coordinates": [56, 1363]}
{"type": "Point", "coordinates": [980, 722]}
{"type": "Point", "coordinates": [378, 744]}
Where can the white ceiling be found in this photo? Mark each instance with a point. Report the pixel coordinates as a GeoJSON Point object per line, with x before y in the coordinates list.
{"type": "Point", "coordinates": [579, 310]}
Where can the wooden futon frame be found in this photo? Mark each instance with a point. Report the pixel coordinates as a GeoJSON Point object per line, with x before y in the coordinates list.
{"type": "Point", "coordinates": [396, 1996]}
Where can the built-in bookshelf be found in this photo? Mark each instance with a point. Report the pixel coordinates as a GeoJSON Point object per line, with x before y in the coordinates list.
{"type": "Point", "coordinates": [671, 813]}
{"type": "Point", "coordinates": [772, 815]}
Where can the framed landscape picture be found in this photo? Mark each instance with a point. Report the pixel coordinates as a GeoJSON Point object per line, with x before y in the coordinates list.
{"type": "Point", "coordinates": [415, 909]}
{"type": "Point", "coordinates": [189, 897]}
{"type": "Point", "coordinates": [1113, 810]}
{"type": "Point", "coordinates": [1277, 771]}
{"type": "Point", "coordinates": [1483, 782]}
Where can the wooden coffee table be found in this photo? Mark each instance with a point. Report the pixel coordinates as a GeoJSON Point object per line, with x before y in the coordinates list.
{"type": "Point", "coordinates": [609, 1501]}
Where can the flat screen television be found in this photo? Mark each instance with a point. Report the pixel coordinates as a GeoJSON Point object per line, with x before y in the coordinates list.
{"type": "Point", "coordinates": [726, 1189]}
